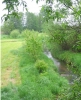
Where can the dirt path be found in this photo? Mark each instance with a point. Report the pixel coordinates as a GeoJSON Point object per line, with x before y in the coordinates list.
{"type": "Point", "coordinates": [10, 75]}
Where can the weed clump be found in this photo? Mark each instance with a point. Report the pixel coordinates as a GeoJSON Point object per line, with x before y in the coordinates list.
{"type": "Point", "coordinates": [41, 66]}
{"type": "Point", "coordinates": [14, 34]}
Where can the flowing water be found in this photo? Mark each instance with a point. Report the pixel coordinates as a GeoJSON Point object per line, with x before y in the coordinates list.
{"type": "Point", "coordinates": [62, 68]}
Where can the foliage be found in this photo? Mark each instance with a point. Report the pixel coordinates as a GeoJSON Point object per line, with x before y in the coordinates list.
{"type": "Point", "coordinates": [12, 23]}
{"type": "Point", "coordinates": [67, 37]}
{"type": "Point", "coordinates": [12, 8]}
{"type": "Point", "coordinates": [7, 27]}
{"type": "Point", "coordinates": [17, 22]}
{"type": "Point", "coordinates": [33, 22]}
{"type": "Point", "coordinates": [33, 44]}
{"type": "Point", "coordinates": [77, 45]}
{"type": "Point", "coordinates": [63, 8]}
{"type": "Point", "coordinates": [14, 34]}
{"type": "Point", "coordinates": [41, 66]}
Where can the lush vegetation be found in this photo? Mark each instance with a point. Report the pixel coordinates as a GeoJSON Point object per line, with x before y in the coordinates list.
{"type": "Point", "coordinates": [62, 37]}
{"type": "Point", "coordinates": [66, 46]}
{"type": "Point", "coordinates": [42, 82]}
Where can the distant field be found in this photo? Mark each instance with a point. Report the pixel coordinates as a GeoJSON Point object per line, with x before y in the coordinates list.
{"type": "Point", "coordinates": [9, 62]}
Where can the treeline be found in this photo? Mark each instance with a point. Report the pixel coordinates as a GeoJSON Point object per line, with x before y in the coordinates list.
{"type": "Point", "coordinates": [28, 20]}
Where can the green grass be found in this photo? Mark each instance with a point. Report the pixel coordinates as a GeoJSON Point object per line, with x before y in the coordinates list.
{"type": "Point", "coordinates": [32, 85]}
{"type": "Point", "coordinates": [6, 55]}
{"type": "Point", "coordinates": [4, 36]}
{"type": "Point", "coordinates": [9, 62]}
{"type": "Point", "coordinates": [40, 86]}
{"type": "Point", "coordinates": [71, 58]}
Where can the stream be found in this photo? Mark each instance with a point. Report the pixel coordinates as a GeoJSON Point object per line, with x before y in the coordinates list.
{"type": "Point", "coordinates": [62, 68]}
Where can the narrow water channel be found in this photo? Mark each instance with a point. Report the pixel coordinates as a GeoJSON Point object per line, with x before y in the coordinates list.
{"type": "Point", "coordinates": [62, 68]}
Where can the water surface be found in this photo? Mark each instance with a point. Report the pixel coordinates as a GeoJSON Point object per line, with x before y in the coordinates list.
{"type": "Point", "coordinates": [62, 68]}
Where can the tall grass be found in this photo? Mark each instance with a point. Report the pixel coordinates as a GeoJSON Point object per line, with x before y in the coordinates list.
{"type": "Point", "coordinates": [40, 86]}
{"type": "Point", "coordinates": [46, 85]}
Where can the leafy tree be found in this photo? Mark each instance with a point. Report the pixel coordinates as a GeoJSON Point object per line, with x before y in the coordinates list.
{"type": "Point", "coordinates": [7, 27]}
{"type": "Point", "coordinates": [12, 23]}
{"type": "Point", "coordinates": [33, 22]}
{"type": "Point", "coordinates": [17, 22]}
{"type": "Point", "coordinates": [63, 8]}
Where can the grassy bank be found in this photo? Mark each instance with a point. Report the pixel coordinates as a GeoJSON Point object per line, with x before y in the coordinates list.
{"type": "Point", "coordinates": [40, 86]}
{"type": "Point", "coordinates": [73, 59]}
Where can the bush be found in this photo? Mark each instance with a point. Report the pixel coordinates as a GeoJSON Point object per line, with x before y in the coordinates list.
{"type": "Point", "coordinates": [14, 34]}
{"type": "Point", "coordinates": [41, 65]}
{"type": "Point", "coordinates": [33, 44]}
{"type": "Point", "coordinates": [77, 45]}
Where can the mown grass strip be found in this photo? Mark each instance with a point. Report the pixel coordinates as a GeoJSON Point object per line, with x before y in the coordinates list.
{"type": "Point", "coordinates": [9, 63]}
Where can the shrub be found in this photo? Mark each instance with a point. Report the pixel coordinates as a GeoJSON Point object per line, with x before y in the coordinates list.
{"type": "Point", "coordinates": [33, 44]}
{"type": "Point", "coordinates": [14, 34]}
{"type": "Point", "coordinates": [77, 45]}
{"type": "Point", "coordinates": [41, 65]}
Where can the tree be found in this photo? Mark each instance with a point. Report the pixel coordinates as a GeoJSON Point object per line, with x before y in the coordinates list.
{"type": "Point", "coordinates": [17, 22]}
{"type": "Point", "coordinates": [12, 23]}
{"type": "Point", "coordinates": [33, 22]}
{"type": "Point", "coordinates": [7, 27]}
